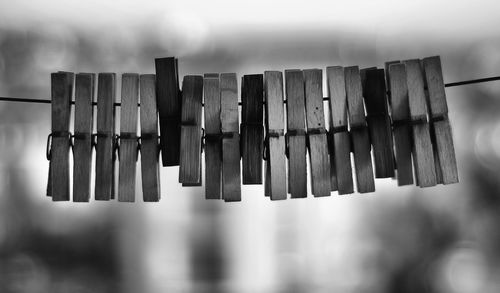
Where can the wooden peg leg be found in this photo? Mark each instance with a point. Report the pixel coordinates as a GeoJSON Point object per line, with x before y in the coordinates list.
{"type": "Point", "coordinates": [213, 146]}
{"type": "Point", "coordinates": [62, 90]}
{"type": "Point", "coordinates": [149, 139]}
{"type": "Point", "coordinates": [106, 96]}
{"type": "Point", "coordinates": [128, 137]}
{"type": "Point", "coordinates": [82, 146]}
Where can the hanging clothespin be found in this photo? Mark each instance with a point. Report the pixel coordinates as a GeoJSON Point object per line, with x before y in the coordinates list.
{"type": "Point", "coordinates": [169, 108]}
{"type": "Point", "coordinates": [190, 152]}
{"type": "Point", "coordinates": [149, 146]}
{"type": "Point", "coordinates": [252, 131]}
{"type": "Point", "coordinates": [359, 131]}
{"type": "Point", "coordinates": [231, 173]}
{"type": "Point", "coordinates": [340, 155]}
{"type": "Point", "coordinates": [62, 92]}
{"type": "Point", "coordinates": [105, 146]}
{"type": "Point", "coordinates": [82, 145]}
{"type": "Point", "coordinates": [425, 170]}
{"type": "Point", "coordinates": [401, 122]}
{"type": "Point", "coordinates": [275, 185]}
{"type": "Point", "coordinates": [296, 134]}
{"type": "Point", "coordinates": [213, 134]}
{"type": "Point", "coordinates": [441, 130]}
{"type": "Point", "coordinates": [316, 133]}
{"type": "Point", "coordinates": [128, 137]}
{"type": "Point", "coordinates": [379, 123]}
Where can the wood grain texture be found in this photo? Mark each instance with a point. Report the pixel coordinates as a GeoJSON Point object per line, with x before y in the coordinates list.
{"type": "Point", "coordinates": [340, 157]}
{"type": "Point", "coordinates": [231, 173]}
{"type": "Point", "coordinates": [275, 120]}
{"type": "Point", "coordinates": [359, 131]}
{"type": "Point", "coordinates": [401, 116]}
{"type": "Point", "coordinates": [318, 144]}
{"type": "Point", "coordinates": [169, 108]}
{"type": "Point", "coordinates": [106, 97]}
{"type": "Point", "coordinates": [297, 165]}
{"type": "Point", "coordinates": [423, 156]}
{"type": "Point", "coordinates": [61, 91]}
{"type": "Point", "coordinates": [379, 123]}
{"type": "Point", "coordinates": [252, 130]}
{"type": "Point", "coordinates": [213, 146]}
{"type": "Point", "coordinates": [190, 153]}
{"type": "Point", "coordinates": [128, 137]}
{"type": "Point", "coordinates": [82, 145]}
{"type": "Point", "coordinates": [443, 138]}
{"type": "Point", "coordinates": [149, 139]}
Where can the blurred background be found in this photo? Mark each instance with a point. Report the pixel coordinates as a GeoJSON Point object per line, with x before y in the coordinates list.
{"type": "Point", "coordinates": [398, 239]}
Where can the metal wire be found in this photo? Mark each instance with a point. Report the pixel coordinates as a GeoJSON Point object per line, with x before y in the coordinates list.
{"type": "Point", "coordinates": [48, 101]}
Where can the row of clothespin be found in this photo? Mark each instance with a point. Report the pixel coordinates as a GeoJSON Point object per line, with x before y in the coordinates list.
{"type": "Point", "coordinates": [386, 118]}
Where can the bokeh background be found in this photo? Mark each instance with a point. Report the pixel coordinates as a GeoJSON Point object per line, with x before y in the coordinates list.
{"type": "Point", "coordinates": [398, 239]}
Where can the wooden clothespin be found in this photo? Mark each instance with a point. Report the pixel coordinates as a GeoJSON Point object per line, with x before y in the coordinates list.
{"type": "Point", "coordinates": [213, 146]}
{"type": "Point", "coordinates": [82, 145]}
{"type": "Point", "coordinates": [62, 92]}
{"type": "Point", "coordinates": [190, 152]}
{"type": "Point", "coordinates": [296, 134]}
{"type": "Point", "coordinates": [316, 133]}
{"type": "Point", "coordinates": [340, 156]}
{"type": "Point", "coordinates": [275, 185]}
{"type": "Point", "coordinates": [231, 174]}
{"type": "Point", "coordinates": [379, 123]}
{"type": "Point", "coordinates": [440, 125]}
{"type": "Point", "coordinates": [105, 146]}
{"type": "Point", "coordinates": [149, 139]}
{"type": "Point", "coordinates": [423, 156]}
{"type": "Point", "coordinates": [359, 131]}
{"type": "Point", "coordinates": [252, 131]}
{"type": "Point", "coordinates": [128, 137]}
{"type": "Point", "coordinates": [169, 107]}
{"type": "Point", "coordinates": [400, 122]}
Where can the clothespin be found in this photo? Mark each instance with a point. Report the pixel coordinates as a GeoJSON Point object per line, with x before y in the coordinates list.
{"type": "Point", "coordinates": [190, 153]}
{"type": "Point", "coordinates": [275, 185]}
{"type": "Point", "coordinates": [82, 145]}
{"type": "Point", "coordinates": [169, 108]}
{"type": "Point", "coordinates": [231, 173]}
{"type": "Point", "coordinates": [213, 134]}
{"type": "Point", "coordinates": [423, 156]}
{"type": "Point", "coordinates": [400, 122]}
{"type": "Point", "coordinates": [252, 131]}
{"type": "Point", "coordinates": [296, 134]}
{"type": "Point", "coordinates": [340, 156]}
{"type": "Point", "coordinates": [105, 146]}
{"type": "Point", "coordinates": [440, 124]}
{"type": "Point", "coordinates": [149, 139]}
{"type": "Point", "coordinates": [62, 92]}
{"type": "Point", "coordinates": [359, 131]}
{"type": "Point", "coordinates": [316, 133]}
{"type": "Point", "coordinates": [379, 123]}
{"type": "Point", "coordinates": [128, 137]}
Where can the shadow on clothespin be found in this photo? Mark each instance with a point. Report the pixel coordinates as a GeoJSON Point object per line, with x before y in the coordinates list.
{"type": "Point", "coordinates": [275, 183]}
